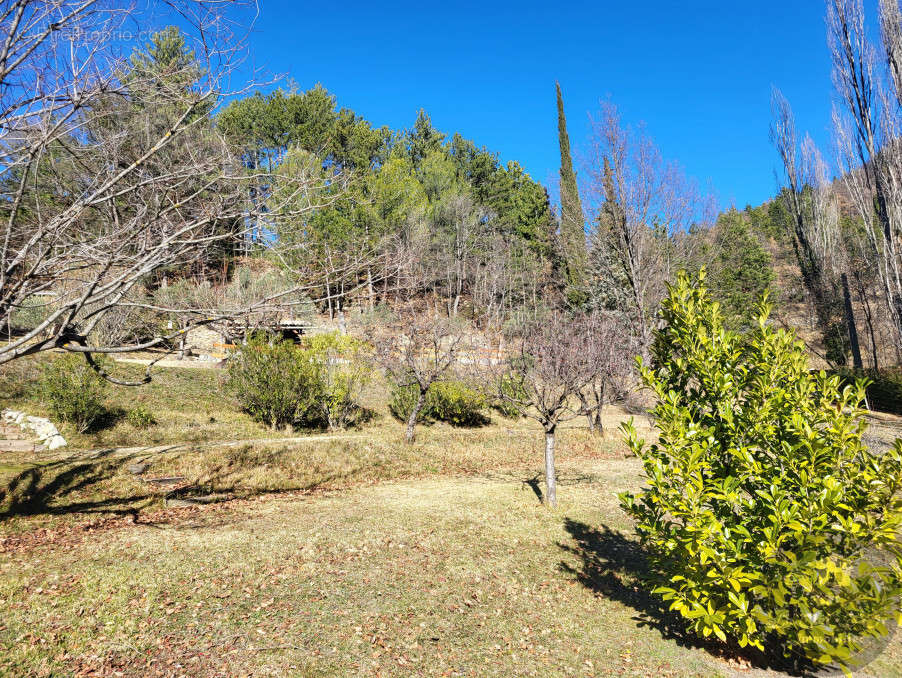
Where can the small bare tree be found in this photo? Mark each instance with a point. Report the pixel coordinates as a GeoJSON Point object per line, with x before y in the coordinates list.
{"type": "Point", "coordinates": [421, 350]}
{"type": "Point", "coordinates": [555, 361]}
{"type": "Point", "coordinates": [613, 350]}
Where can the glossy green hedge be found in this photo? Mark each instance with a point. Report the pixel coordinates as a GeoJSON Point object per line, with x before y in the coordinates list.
{"type": "Point", "coordinates": [764, 515]}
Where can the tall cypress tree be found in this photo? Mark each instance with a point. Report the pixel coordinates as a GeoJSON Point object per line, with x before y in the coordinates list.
{"type": "Point", "coordinates": [573, 235]}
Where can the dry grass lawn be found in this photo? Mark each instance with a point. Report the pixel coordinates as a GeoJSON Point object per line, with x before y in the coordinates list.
{"type": "Point", "coordinates": [342, 555]}
{"type": "Point", "coordinates": [453, 576]}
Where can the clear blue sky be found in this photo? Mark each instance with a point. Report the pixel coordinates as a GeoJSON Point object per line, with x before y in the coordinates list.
{"type": "Point", "coordinates": [699, 73]}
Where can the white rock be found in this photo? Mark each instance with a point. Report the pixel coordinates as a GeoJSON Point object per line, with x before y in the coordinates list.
{"type": "Point", "coordinates": [55, 442]}
{"type": "Point", "coordinates": [44, 429]}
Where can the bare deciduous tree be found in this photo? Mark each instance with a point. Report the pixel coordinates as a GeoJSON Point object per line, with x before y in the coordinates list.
{"type": "Point", "coordinates": [815, 235]}
{"type": "Point", "coordinates": [110, 169]}
{"type": "Point", "coordinates": [613, 351]}
{"type": "Point", "coordinates": [641, 206]}
{"type": "Point", "coordinates": [867, 131]}
{"type": "Point", "coordinates": [555, 360]}
{"type": "Point", "coordinates": [250, 301]}
{"type": "Point", "coordinates": [421, 350]}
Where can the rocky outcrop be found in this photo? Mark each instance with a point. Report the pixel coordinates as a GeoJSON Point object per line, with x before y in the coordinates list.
{"type": "Point", "coordinates": [43, 429]}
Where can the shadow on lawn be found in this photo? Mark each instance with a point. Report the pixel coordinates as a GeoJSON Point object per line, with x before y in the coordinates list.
{"type": "Point", "coordinates": [38, 489]}
{"type": "Point", "coordinates": [537, 482]}
{"type": "Point", "coordinates": [105, 485]}
{"type": "Point", "coordinates": [109, 417]}
{"type": "Point", "coordinates": [614, 566]}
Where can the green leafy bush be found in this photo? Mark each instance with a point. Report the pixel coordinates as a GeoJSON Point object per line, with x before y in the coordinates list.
{"type": "Point", "coordinates": [510, 389]}
{"type": "Point", "coordinates": [450, 401]}
{"type": "Point", "coordinates": [343, 372]}
{"type": "Point", "coordinates": [764, 515]}
{"type": "Point", "coordinates": [74, 392]}
{"type": "Point", "coordinates": [317, 383]}
{"type": "Point", "coordinates": [141, 417]}
{"type": "Point", "coordinates": [456, 403]}
{"type": "Point", "coordinates": [337, 405]}
{"type": "Point", "coordinates": [402, 401]}
{"type": "Point", "coordinates": [275, 381]}
{"type": "Point", "coordinates": [335, 342]}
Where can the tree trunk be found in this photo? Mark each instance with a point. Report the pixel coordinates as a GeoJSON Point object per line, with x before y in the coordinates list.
{"type": "Point", "coordinates": [850, 322]}
{"type": "Point", "coordinates": [550, 480]}
{"type": "Point", "coordinates": [868, 317]}
{"type": "Point", "coordinates": [414, 415]}
{"type": "Point", "coordinates": [595, 424]}
{"type": "Point", "coordinates": [592, 406]}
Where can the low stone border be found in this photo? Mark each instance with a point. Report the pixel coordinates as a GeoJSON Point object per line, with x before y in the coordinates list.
{"type": "Point", "coordinates": [44, 429]}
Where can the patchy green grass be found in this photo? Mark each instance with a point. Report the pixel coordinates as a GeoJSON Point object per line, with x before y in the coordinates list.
{"type": "Point", "coordinates": [189, 405]}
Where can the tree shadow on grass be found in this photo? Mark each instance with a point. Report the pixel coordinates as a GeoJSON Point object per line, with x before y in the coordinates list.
{"type": "Point", "coordinates": [107, 419]}
{"type": "Point", "coordinates": [474, 420]}
{"type": "Point", "coordinates": [535, 484]}
{"type": "Point", "coordinates": [615, 567]}
{"type": "Point", "coordinates": [105, 484]}
{"type": "Point", "coordinates": [40, 489]}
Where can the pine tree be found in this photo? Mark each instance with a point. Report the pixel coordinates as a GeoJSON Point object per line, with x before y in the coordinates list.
{"type": "Point", "coordinates": [572, 229]}
{"type": "Point", "coordinates": [741, 271]}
